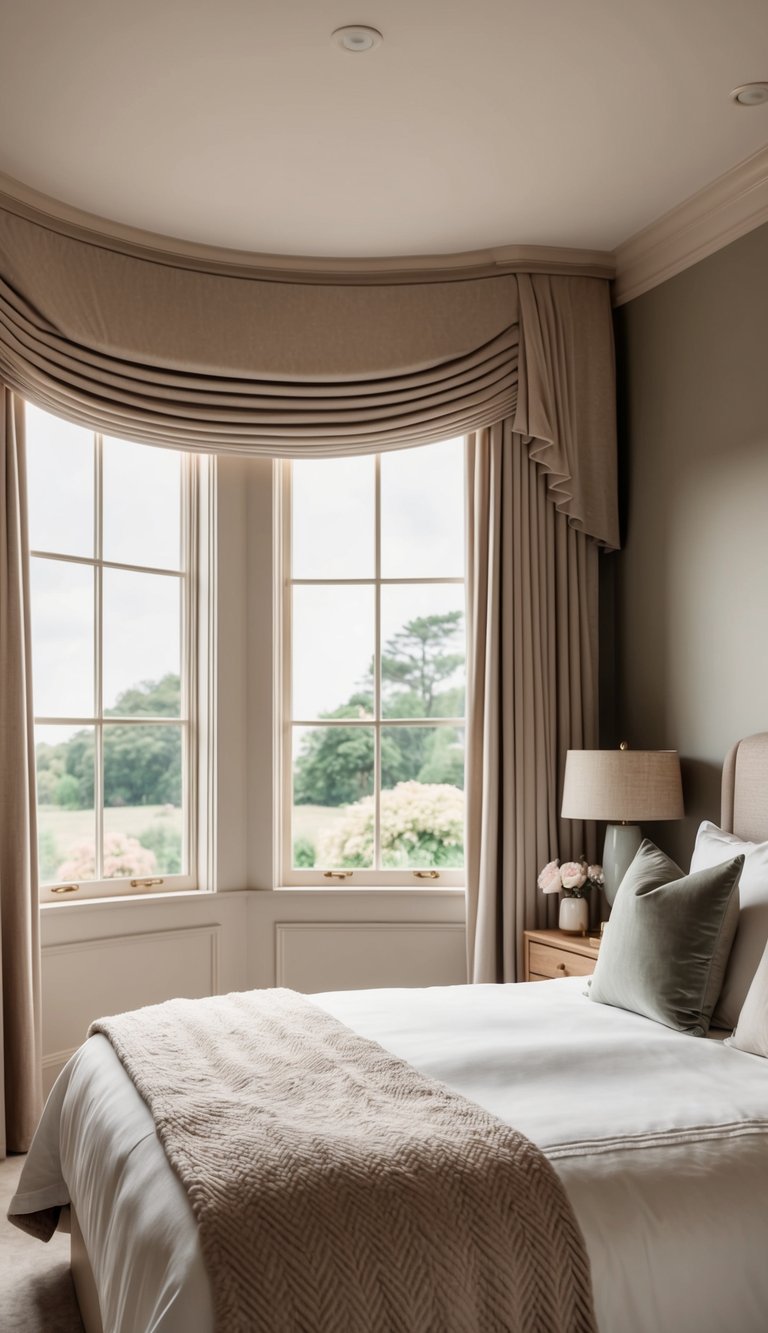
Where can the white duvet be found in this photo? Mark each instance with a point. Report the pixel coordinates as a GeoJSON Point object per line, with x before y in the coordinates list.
{"type": "Point", "coordinates": [661, 1140]}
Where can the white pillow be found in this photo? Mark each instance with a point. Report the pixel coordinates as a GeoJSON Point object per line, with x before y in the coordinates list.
{"type": "Point", "coordinates": [752, 1029]}
{"type": "Point", "coordinates": [713, 846]}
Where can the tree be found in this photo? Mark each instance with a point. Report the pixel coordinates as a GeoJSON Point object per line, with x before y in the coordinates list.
{"type": "Point", "coordinates": [160, 698]}
{"type": "Point", "coordinates": [335, 765]}
{"type": "Point", "coordinates": [66, 793]}
{"type": "Point", "coordinates": [141, 764]}
{"type": "Point", "coordinates": [417, 660]}
{"type": "Point", "coordinates": [77, 755]}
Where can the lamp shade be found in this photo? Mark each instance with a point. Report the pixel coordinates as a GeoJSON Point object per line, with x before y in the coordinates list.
{"type": "Point", "coordinates": [622, 786]}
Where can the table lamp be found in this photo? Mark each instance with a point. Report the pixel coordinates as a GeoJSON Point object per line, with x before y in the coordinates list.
{"type": "Point", "coordinates": [622, 787]}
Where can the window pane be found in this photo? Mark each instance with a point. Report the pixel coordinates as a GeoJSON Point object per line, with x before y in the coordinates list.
{"type": "Point", "coordinates": [422, 637]}
{"type": "Point", "coordinates": [422, 797]}
{"type": "Point", "coordinates": [332, 824]}
{"type": "Point", "coordinates": [142, 644]}
{"type": "Point", "coordinates": [142, 504]}
{"type": "Point", "coordinates": [62, 638]}
{"type": "Point", "coordinates": [333, 643]}
{"type": "Point", "coordinates": [333, 518]}
{"type": "Point", "coordinates": [60, 484]}
{"type": "Point", "coordinates": [422, 512]}
{"type": "Point", "coordinates": [66, 824]}
{"type": "Point", "coordinates": [143, 801]}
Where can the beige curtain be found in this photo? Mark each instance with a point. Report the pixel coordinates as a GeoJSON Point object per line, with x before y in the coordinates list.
{"type": "Point", "coordinates": [20, 1076]}
{"type": "Point", "coordinates": [531, 690]}
{"type": "Point", "coordinates": [231, 358]}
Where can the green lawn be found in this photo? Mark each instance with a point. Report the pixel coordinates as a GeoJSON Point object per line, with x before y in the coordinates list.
{"type": "Point", "coordinates": [310, 821]}
{"type": "Point", "coordinates": [69, 826]}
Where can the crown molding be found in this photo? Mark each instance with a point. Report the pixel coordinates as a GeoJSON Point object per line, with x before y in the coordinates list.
{"type": "Point", "coordinates": [732, 205]}
{"type": "Point", "coordinates": [24, 201]}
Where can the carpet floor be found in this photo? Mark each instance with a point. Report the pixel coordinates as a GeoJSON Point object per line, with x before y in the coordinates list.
{"type": "Point", "coordinates": [36, 1292]}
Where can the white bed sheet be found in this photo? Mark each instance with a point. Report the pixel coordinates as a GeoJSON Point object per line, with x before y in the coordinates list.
{"type": "Point", "coordinates": [661, 1141]}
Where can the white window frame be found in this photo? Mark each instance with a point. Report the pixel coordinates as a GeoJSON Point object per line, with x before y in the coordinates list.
{"type": "Point", "coordinates": [193, 631]}
{"type": "Point", "coordinates": [289, 876]}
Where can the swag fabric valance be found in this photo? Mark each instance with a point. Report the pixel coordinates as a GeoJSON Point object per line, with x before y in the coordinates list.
{"type": "Point", "coordinates": [232, 358]}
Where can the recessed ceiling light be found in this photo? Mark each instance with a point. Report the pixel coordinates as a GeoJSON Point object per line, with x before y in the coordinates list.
{"type": "Point", "coordinates": [357, 37]}
{"type": "Point", "coordinates": [750, 94]}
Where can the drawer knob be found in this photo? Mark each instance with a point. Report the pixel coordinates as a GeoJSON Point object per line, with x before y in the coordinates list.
{"type": "Point", "coordinates": [560, 967]}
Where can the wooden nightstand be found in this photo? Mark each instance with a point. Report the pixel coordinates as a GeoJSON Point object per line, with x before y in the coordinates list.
{"type": "Point", "coordinates": [552, 953]}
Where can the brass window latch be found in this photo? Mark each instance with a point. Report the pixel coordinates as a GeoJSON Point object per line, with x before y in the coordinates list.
{"type": "Point", "coordinates": [64, 888]}
{"type": "Point", "coordinates": [337, 874]}
{"type": "Point", "coordinates": [145, 883]}
{"type": "Point", "coordinates": [426, 874]}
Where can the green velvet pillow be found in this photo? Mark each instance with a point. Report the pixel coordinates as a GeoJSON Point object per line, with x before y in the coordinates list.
{"type": "Point", "coordinates": [665, 948]}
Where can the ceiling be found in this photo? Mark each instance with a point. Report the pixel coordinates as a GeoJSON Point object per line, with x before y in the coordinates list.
{"type": "Point", "coordinates": [476, 123]}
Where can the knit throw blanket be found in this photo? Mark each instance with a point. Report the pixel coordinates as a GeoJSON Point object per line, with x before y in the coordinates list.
{"type": "Point", "coordinates": [337, 1190]}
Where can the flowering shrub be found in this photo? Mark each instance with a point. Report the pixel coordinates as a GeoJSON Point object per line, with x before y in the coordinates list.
{"type": "Point", "coordinates": [123, 857]}
{"type": "Point", "coordinates": [422, 824]}
{"type": "Point", "coordinates": [575, 878]}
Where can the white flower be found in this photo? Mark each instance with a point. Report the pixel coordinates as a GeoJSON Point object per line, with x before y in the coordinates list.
{"type": "Point", "coordinates": [573, 875]}
{"type": "Point", "coordinates": [595, 873]}
{"type": "Point", "coordinates": [549, 880]}
{"type": "Point", "coordinates": [422, 823]}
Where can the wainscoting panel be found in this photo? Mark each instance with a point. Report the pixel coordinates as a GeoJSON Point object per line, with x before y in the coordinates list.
{"type": "Point", "coordinates": [84, 979]}
{"type": "Point", "coordinates": [315, 956]}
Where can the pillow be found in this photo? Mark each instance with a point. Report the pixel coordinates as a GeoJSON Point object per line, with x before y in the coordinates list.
{"type": "Point", "coordinates": [666, 945]}
{"type": "Point", "coordinates": [713, 846]}
{"type": "Point", "coordinates": [752, 1030]}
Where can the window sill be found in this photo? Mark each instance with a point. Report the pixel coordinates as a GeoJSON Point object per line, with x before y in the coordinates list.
{"type": "Point", "coordinates": [370, 888]}
{"type": "Point", "coordinates": [121, 899]}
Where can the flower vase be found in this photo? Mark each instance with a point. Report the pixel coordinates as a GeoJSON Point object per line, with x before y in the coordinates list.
{"type": "Point", "coordinates": [574, 916]}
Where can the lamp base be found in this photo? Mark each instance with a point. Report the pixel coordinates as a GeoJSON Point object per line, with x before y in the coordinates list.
{"type": "Point", "coordinates": [621, 843]}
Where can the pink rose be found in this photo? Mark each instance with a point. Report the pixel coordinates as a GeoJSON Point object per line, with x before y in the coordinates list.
{"type": "Point", "coordinates": [573, 875]}
{"type": "Point", "coordinates": [549, 880]}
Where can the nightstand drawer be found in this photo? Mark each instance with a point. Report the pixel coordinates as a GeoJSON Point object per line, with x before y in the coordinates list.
{"type": "Point", "coordinates": [545, 961]}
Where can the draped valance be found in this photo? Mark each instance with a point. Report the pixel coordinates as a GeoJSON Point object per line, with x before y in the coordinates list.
{"type": "Point", "coordinates": [150, 345]}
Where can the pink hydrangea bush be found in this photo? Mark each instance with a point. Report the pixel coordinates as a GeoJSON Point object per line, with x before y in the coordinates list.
{"type": "Point", "coordinates": [124, 857]}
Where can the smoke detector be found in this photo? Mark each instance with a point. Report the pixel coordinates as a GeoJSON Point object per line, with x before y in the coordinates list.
{"type": "Point", "coordinates": [357, 37]}
{"type": "Point", "coordinates": [750, 94]}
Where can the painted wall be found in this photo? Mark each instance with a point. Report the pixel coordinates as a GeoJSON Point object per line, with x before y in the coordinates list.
{"type": "Point", "coordinates": [691, 585]}
{"type": "Point", "coordinates": [102, 958]}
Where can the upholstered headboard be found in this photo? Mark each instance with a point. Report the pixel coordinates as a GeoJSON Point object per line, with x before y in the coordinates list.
{"type": "Point", "coordinates": [744, 809]}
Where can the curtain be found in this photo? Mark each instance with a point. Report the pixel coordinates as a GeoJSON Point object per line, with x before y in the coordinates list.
{"type": "Point", "coordinates": [20, 1076]}
{"type": "Point", "coordinates": [229, 357]}
{"type": "Point", "coordinates": [531, 690]}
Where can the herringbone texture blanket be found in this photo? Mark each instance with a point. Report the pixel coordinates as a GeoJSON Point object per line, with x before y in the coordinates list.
{"type": "Point", "coordinates": [337, 1190]}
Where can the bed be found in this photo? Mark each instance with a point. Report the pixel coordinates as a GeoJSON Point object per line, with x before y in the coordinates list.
{"type": "Point", "coordinates": [660, 1139]}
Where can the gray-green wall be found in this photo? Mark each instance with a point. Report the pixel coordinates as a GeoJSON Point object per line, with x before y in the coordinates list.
{"type": "Point", "coordinates": [689, 592]}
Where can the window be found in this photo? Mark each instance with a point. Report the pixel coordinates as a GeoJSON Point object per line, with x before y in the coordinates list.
{"type": "Point", "coordinates": [113, 625]}
{"type": "Point", "coordinates": [373, 668]}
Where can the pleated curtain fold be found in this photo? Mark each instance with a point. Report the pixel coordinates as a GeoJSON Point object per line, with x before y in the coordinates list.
{"type": "Point", "coordinates": [227, 358]}
{"type": "Point", "coordinates": [21, 1072]}
{"type": "Point", "coordinates": [531, 693]}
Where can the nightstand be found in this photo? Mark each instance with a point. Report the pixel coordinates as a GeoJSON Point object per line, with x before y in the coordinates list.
{"type": "Point", "coordinates": [552, 953]}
